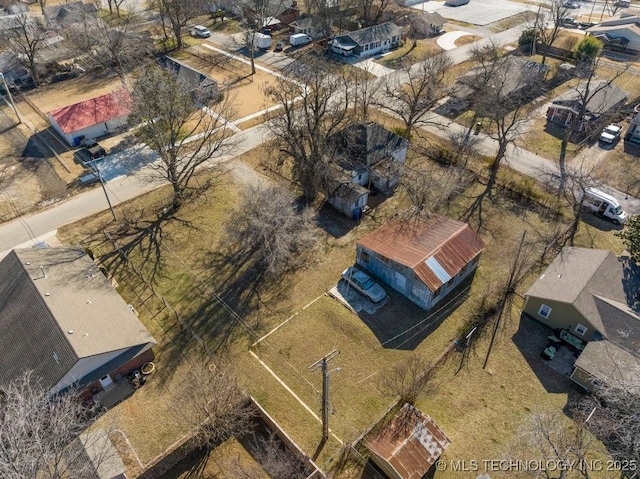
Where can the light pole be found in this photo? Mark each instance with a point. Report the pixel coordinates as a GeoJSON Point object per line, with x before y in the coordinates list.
{"type": "Point", "coordinates": [106, 195]}
{"type": "Point", "coordinates": [13, 105]}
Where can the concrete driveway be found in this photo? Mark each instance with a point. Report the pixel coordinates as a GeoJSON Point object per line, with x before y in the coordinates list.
{"type": "Point", "coordinates": [448, 40]}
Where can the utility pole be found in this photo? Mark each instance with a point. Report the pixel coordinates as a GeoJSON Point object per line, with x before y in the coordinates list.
{"type": "Point", "coordinates": [505, 298]}
{"type": "Point", "coordinates": [95, 167]}
{"type": "Point", "coordinates": [535, 32]}
{"type": "Point", "coordinates": [324, 364]}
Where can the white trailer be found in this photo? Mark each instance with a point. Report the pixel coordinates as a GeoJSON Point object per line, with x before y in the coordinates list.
{"type": "Point", "coordinates": [262, 41]}
{"type": "Point", "coordinates": [299, 39]}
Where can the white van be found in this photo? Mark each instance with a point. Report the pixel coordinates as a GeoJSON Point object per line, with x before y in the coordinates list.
{"type": "Point", "coordinates": [604, 205]}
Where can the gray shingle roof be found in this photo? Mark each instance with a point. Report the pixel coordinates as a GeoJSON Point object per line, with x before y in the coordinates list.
{"type": "Point", "coordinates": [610, 364]}
{"type": "Point", "coordinates": [57, 307]}
{"type": "Point", "coordinates": [602, 287]}
{"type": "Point", "coordinates": [606, 97]}
{"type": "Point", "coordinates": [374, 33]}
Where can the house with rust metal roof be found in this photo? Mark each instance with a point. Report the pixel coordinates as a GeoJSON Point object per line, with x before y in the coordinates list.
{"type": "Point", "coordinates": [422, 260]}
{"type": "Point", "coordinates": [61, 318]}
{"type": "Point", "coordinates": [590, 298]}
{"type": "Point", "coordinates": [409, 445]}
{"type": "Point", "coordinates": [92, 118]}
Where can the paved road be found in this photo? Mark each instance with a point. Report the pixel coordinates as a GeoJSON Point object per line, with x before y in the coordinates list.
{"type": "Point", "coordinates": [28, 228]}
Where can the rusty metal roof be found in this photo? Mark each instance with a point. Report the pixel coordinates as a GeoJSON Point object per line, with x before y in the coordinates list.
{"type": "Point", "coordinates": [429, 248]}
{"type": "Point", "coordinates": [410, 443]}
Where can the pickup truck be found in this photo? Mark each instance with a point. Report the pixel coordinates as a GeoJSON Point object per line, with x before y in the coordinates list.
{"type": "Point", "coordinates": [611, 134]}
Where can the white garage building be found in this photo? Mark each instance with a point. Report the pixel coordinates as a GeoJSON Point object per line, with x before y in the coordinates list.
{"type": "Point", "coordinates": [92, 118]}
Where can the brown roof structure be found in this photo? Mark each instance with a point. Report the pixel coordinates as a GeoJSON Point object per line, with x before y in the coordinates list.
{"type": "Point", "coordinates": [436, 250]}
{"type": "Point", "coordinates": [408, 445]}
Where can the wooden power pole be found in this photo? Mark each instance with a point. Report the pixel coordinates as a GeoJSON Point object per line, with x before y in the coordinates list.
{"type": "Point", "coordinates": [324, 364]}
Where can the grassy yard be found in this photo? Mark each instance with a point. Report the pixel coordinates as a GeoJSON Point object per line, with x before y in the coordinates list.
{"type": "Point", "coordinates": [479, 411]}
{"type": "Point", "coordinates": [621, 169]}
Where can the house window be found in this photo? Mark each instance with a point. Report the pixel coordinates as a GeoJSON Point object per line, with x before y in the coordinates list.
{"type": "Point", "coordinates": [580, 329]}
{"type": "Point", "coordinates": [544, 311]}
{"type": "Point", "coordinates": [377, 44]}
{"type": "Point", "coordinates": [365, 257]}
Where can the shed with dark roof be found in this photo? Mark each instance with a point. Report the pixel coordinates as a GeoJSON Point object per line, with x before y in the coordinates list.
{"type": "Point", "coordinates": [423, 261]}
{"type": "Point", "coordinates": [409, 445]}
{"type": "Point", "coordinates": [61, 318]}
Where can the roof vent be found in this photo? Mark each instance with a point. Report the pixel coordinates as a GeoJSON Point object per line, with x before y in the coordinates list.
{"type": "Point", "coordinates": [47, 294]}
{"type": "Point", "coordinates": [88, 301]}
{"type": "Point", "coordinates": [70, 331]}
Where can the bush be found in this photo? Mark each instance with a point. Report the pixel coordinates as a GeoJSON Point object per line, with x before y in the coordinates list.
{"type": "Point", "coordinates": [527, 37]}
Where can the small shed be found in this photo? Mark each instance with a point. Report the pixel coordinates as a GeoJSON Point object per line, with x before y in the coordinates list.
{"type": "Point", "coordinates": [409, 445]}
{"type": "Point", "coordinates": [92, 118]}
{"type": "Point", "coordinates": [347, 197]}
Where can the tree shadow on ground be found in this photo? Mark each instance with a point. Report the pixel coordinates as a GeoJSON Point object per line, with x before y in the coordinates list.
{"type": "Point", "coordinates": [403, 325]}
{"type": "Point", "coordinates": [531, 340]}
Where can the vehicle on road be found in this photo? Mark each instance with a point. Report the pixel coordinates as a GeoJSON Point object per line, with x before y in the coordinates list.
{"type": "Point", "coordinates": [200, 31]}
{"type": "Point", "coordinates": [364, 284]}
{"type": "Point", "coordinates": [299, 39]}
{"type": "Point", "coordinates": [603, 205]}
{"type": "Point", "coordinates": [611, 134]}
{"type": "Point", "coordinates": [572, 5]}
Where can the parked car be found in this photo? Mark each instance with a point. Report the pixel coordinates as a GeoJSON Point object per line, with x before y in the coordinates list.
{"type": "Point", "coordinates": [279, 46]}
{"type": "Point", "coordinates": [571, 5]}
{"type": "Point", "coordinates": [362, 282]}
{"type": "Point", "coordinates": [200, 31]}
{"type": "Point", "coordinates": [611, 134]}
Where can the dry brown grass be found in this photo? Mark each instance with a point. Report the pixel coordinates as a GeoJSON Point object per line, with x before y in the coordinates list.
{"type": "Point", "coordinates": [410, 54]}
{"type": "Point", "coordinates": [479, 412]}
{"type": "Point", "coordinates": [464, 40]}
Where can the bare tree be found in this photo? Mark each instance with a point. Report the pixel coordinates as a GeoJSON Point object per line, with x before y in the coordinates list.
{"type": "Point", "coordinates": [272, 228]}
{"type": "Point", "coordinates": [209, 400]}
{"type": "Point", "coordinates": [364, 89]}
{"type": "Point", "coordinates": [273, 458]}
{"type": "Point", "coordinates": [373, 10]}
{"type": "Point", "coordinates": [549, 438]}
{"type": "Point", "coordinates": [419, 185]}
{"type": "Point", "coordinates": [503, 98]}
{"type": "Point", "coordinates": [37, 432]}
{"type": "Point", "coordinates": [25, 41]}
{"type": "Point", "coordinates": [178, 13]}
{"type": "Point", "coordinates": [547, 25]}
{"type": "Point", "coordinates": [421, 88]}
{"type": "Point", "coordinates": [329, 13]}
{"type": "Point", "coordinates": [255, 15]}
{"type": "Point", "coordinates": [612, 412]}
{"type": "Point", "coordinates": [117, 48]}
{"type": "Point", "coordinates": [586, 94]}
{"type": "Point", "coordinates": [175, 121]}
{"type": "Point", "coordinates": [408, 379]}
{"type": "Point", "coordinates": [308, 116]}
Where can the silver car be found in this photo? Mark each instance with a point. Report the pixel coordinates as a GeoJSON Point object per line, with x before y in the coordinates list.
{"type": "Point", "coordinates": [362, 282]}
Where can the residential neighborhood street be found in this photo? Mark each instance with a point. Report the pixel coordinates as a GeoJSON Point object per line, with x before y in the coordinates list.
{"type": "Point", "coordinates": [122, 188]}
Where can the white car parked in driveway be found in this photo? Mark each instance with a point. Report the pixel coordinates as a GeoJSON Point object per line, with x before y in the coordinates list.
{"type": "Point", "coordinates": [362, 282]}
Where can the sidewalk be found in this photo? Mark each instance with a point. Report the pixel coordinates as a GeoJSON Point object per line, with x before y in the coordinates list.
{"type": "Point", "coordinates": [25, 230]}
